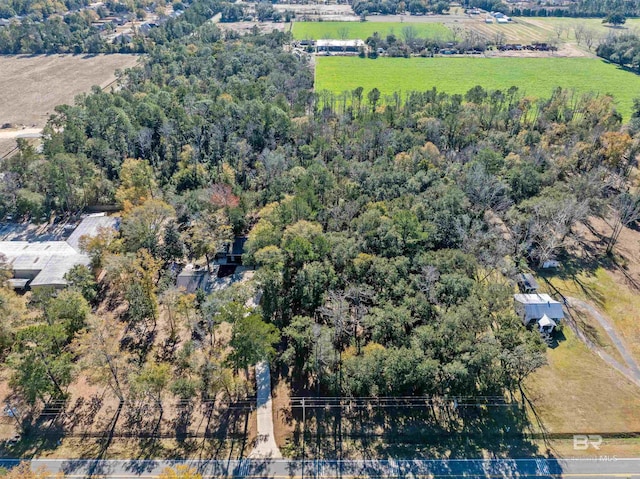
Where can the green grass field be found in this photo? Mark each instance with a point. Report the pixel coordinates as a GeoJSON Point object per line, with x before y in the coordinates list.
{"type": "Point", "coordinates": [536, 77]}
{"type": "Point", "coordinates": [363, 30]}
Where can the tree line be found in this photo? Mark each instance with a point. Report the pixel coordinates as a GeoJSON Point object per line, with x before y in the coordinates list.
{"type": "Point", "coordinates": [577, 9]}
{"type": "Point", "coordinates": [392, 7]}
{"type": "Point", "coordinates": [73, 33]}
{"type": "Point", "coordinates": [40, 9]}
{"type": "Point", "coordinates": [76, 32]}
{"type": "Point", "coordinates": [623, 50]}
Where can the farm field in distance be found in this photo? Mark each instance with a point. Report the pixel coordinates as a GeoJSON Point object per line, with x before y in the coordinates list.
{"type": "Point", "coordinates": [536, 77]}
{"type": "Point", "coordinates": [518, 31]}
{"type": "Point", "coordinates": [33, 85]}
{"type": "Point", "coordinates": [546, 29]}
{"type": "Point", "coordinates": [602, 30]}
{"type": "Point", "coordinates": [363, 30]}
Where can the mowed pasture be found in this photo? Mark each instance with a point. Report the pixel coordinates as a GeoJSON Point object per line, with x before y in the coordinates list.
{"type": "Point", "coordinates": [536, 77]}
{"type": "Point", "coordinates": [363, 30]}
{"type": "Point", "coordinates": [515, 32]}
{"type": "Point", "coordinates": [573, 393]}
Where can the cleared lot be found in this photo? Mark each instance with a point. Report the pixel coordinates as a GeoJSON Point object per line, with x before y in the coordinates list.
{"type": "Point", "coordinates": [33, 85]}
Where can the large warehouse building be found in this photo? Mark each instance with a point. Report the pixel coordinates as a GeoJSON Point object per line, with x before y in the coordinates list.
{"type": "Point", "coordinates": [45, 263]}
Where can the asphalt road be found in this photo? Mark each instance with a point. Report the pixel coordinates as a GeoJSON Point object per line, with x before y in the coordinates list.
{"type": "Point", "coordinates": [601, 467]}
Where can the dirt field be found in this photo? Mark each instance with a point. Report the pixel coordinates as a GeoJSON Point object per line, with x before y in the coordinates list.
{"type": "Point", "coordinates": [33, 85]}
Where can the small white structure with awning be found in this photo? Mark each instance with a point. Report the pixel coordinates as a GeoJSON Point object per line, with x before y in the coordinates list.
{"type": "Point", "coordinates": [546, 324]}
{"type": "Point", "coordinates": [541, 309]}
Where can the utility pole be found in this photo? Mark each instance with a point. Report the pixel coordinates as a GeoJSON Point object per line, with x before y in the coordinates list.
{"type": "Point", "coordinates": [304, 417]}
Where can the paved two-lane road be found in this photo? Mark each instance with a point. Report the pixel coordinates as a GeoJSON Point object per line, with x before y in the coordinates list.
{"type": "Point", "coordinates": [286, 469]}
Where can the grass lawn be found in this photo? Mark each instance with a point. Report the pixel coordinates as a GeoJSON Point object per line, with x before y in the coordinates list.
{"type": "Point", "coordinates": [578, 392]}
{"type": "Point", "coordinates": [596, 333]}
{"type": "Point", "coordinates": [618, 447]}
{"type": "Point", "coordinates": [615, 300]}
{"type": "Point", "coordinates": [363, 30]}
{"type": "Point", "coordinates": [537, 77]}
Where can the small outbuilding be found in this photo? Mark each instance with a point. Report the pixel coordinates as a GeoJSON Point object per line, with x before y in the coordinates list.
{"type": "Point", "coordinates": [527, 283]}
{"type": "Point", "coordinates": [546, 324]}
{"type": "Point", "coordinates": [191, 279]}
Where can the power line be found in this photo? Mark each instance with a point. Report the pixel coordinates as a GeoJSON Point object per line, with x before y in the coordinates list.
{"type": "Point", "coordinates": [398, 401]}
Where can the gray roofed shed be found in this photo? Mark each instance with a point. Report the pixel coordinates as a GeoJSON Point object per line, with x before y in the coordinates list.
{"type": "Point", "coordinates": [191, 279]}
{"type": "Point", "coordinates": [527, 283]}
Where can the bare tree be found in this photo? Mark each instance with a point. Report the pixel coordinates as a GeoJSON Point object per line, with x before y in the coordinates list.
{"type": "Point", "coordinates": [336, 311]}
{"type": "Point", "coordinates": [429, 276]}
{"type": "Point", "coordinates": [485, 190]}
{"type": "Point", "coordinates": [589, 36]}
{"type": "Point", "coordinates": [359, 298]}
{"type": "Point", "coordinates": [626, 210]}
{"type": "Point", "coordinates": [409, 34]}
{"type": "Point", "coordinates": [100, 349]}
{"type": "Point", "coordinates": [578, 32]}
{"type": "Point", "coordinates": [456, 33]}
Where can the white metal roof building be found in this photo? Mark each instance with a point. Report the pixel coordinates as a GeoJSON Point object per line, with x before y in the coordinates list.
{"type": "Point", "coordinates": [90, 226]}
{"type": "Point", "coordinates": [326, 45]}
{"type": "Point", "coordinates": [533, 307]}
{"type": "Point", "coordinates": [44, 263]}
{"type": "Point", "coordinates": [339, 43]}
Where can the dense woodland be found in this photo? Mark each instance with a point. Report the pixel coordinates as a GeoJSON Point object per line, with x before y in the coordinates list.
{"type": "Point", "coordinates": [41, 9]}
{"type": "Point", "coordinates": [10, 8]}
{"type": "Point", "coordinates": [385, 231]}
{"type": "Point", "coordinates": [74, 32]}
{"type": "Point", "coordinates": [392, 7]}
